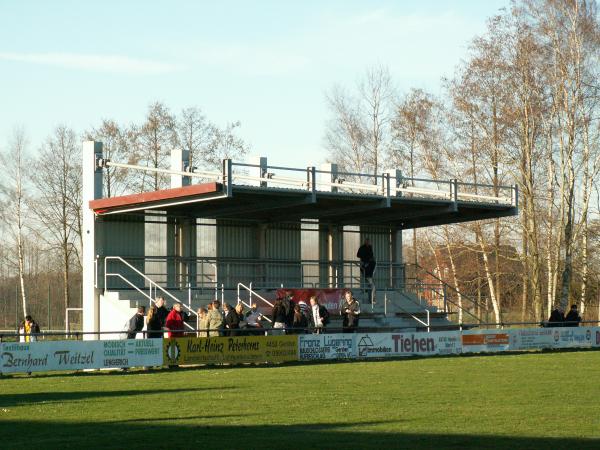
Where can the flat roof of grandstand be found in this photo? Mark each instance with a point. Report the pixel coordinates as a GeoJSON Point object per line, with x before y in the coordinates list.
{"type": "Point", "coordinates": [406, 206]}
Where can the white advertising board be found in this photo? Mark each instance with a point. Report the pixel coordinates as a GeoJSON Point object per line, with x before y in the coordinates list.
{"type": "Point", "coordinates": [326, 346]}
{"type": "Point", "coordinates": [381, 345]}
{"type": "Point", "coordinates": [77, 355]}
{"type": "Point", "coordinates": [560, 337]}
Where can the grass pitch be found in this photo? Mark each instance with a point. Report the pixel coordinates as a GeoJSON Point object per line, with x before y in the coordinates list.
{"type": "Point", "coordinates": [547, 401]}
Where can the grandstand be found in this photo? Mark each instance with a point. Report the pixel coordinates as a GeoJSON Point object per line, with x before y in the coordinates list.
{"type": "Point", "coordinates": [248, 231]}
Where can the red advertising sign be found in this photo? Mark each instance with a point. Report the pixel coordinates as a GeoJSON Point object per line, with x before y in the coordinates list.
{"type": "Point", "coordinates": [329, 298]}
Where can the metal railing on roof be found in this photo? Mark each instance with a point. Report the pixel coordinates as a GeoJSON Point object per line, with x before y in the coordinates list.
{"type": "Point", "coordinates": [387, 184]}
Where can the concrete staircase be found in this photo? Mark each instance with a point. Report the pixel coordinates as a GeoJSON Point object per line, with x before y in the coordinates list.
{"type": "Point", "coordinates": [393, 310]}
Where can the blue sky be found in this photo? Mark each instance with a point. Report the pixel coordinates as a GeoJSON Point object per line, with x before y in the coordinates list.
{"type": "Point", "coordinates": [265, 63]}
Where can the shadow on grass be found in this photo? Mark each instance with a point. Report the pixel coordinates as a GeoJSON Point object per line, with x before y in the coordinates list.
{"type": "Point", "coordinates": [204, 435]}
{"type": "Point", "coordinates": [8, 400]}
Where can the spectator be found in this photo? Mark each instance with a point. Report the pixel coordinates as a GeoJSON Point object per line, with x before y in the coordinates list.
{"type": "Point", "coordinates": [29, 329]}
{"type": "Point", "coordinates": [253, 318]}
{"type": "Point", "coordinates": [573, 318]}
{"type": "Point", "coordinates": [174, 322]}
{"type": "Point", "coordinates": [288, 306]}
{"type": "Point", "coordinates": [367, 266]}
{"type": "Point", "coordinates": [319, 316]}
{"type": "Point", "coordinates": [279, 317]}
{"type": "Point", "coordinates": [162, 311]}
{"type": "Point", "coordinates": [136, 323]}
{"type": "Point", "coordinates": [304, 308]}
{"type": "Point", "coordinates": [232, 320]}
{"type": "Point", "coordinates": [300, 322]}
{"type": "Point", "coordinates": [153, 325]}
{"type": "Point", "coordinates": [556, 319]}
{"type": "Point", "coordinates": [215, 319]}
{"type": "Point", "coordinates": [350, 311]}
{"type": "Point", "coordinates": [202, 322]}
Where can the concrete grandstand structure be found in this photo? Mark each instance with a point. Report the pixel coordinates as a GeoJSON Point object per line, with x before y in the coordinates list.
{"type": "Point", "coordinates": [243, 233]}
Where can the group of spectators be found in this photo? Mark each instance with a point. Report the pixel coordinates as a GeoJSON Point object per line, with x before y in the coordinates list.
{"type": "Point", "coordinates": [558, 318]}
{"type": "Point", "coordinates": [287, 317]}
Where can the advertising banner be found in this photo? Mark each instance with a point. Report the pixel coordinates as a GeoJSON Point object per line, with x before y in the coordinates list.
{"type": "Point", "coordinates": [78, 355]}
{"type": "Point", "coordinates": [381, 345]}
{"type": "Point", "coordinates": [326, 346]}
{"type": "Point", "coordinates": [476, 341]}
{"type": "Point", "coordinates": [563, 337]}
{"type": "Point", "coordinates": [234, 349]}
{"type": "Point", "coordinates": [329, 298]}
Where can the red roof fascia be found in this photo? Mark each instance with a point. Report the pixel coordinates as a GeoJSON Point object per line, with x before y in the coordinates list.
{"type": "Point", "coordinates": [105, 204]}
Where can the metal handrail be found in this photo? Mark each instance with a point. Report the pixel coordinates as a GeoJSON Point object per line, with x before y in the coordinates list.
{"type": "Point", "coordinates": [151, 282]}
{"type": "Point", "coordinates": [251, 292]}
{"type": "Point", "coordinates": [312, 184]}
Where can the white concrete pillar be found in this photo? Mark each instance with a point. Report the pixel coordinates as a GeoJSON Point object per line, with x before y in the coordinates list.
{"type": "Point", "coordinates": [259, 171]}
{"type": "Point", "coordinates": [180, 160]}
{"type": "Point", "coordinates": [91, 190]}
{"type": "Point", "coordinates": [330, 176]}
{"type": "Point", "coordinates": [395, 180]}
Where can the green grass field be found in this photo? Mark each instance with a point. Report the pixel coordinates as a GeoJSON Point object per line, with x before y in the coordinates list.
{"type": "Point", "coordinates": [547, 401]}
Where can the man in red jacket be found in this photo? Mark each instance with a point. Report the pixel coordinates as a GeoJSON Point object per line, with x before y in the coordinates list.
{"type": "Point", "coordinates": [174, 321]}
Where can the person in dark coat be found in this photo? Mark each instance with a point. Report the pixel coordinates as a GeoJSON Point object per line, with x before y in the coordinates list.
{"type": "Point", "coordinates": [153, 324]}
{"type": "Point", "coordinates": [279, 317]}
{"type": "Point", "coordinates": [300, 322]}
{"type": "Point", "coordinates": [367, 266]}
{"type": "Point", "coordinates": [136, 323]}
{"type": "Point", "coordinates": [573, 318]}
{"type": "Point", "coordinates": [350, 312]}
{"type": "Point", "coordinates": [556, 319]}
{"type": "Point", "coordinates": [232, 320]}
{"type": "Point", "coordinates": [319, 316]}
{"type": "Point", "coordinates": [174, 322]}
{"type": "Point", "coordinates": [162, 311]}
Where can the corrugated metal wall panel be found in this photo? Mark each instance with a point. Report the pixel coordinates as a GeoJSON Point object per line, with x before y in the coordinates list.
{"type": "Point", "coordinates": [284, 243]}
{"type": "Point", "coordinates": [124, 238]}
{"type": "Point", "coordinates": [236, 240]}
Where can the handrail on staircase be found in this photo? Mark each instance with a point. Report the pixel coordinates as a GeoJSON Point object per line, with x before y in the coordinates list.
{"type": "Point", "coordinates": [151, 282]}
{"type": "Point", "coordinates": [251, 292]}
{"type": "Point", "coordinates": [427, 312]}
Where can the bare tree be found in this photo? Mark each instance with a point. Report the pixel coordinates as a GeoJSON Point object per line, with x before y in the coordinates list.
{"type": "Point", "coordinates": [14, 201]}
{"type": "Point", "coordinates": [152, 142]}
{"type": "Point", "coordinates": [194, 134]}
{"type": "Point", "coordinates": [358, 133]}
{"type": "Point", "coordinates": [58, 184]}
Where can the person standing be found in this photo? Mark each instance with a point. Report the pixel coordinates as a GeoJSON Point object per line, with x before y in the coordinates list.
{"type": "Point", "coordinates": [232, 320]}
{"type": "Point", "coordinates": [136, 323]}
{"type": "Point", "coordinates": [279, 317]}
{"type": "Point", "coordinates": [367, 266]}
{"type": "Point", "coordinates": [253, 318]}
{"type": "Point", "coordinates": [162, 311]}
{"type": "Point", "coordinates": [350, 311]}
{"type": "Point", "coordinates": [319, 316]}
{"type": "Point", "coordinates": [300, 322]}
{"type": "Point", "coordinates": [572, 318]}
{"type": "Point", "coordinates": [153, 325]}
{"type": "Point", "coordinates": [29, 329]}
{"type": "Point", "coordinates": [174, 322]}
{"type": "Point", "coordinates": [202, 324]}
{"type": "Point", "coordinates": [215, 319]}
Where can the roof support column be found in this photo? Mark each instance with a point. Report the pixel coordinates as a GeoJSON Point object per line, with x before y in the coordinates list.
{"type": "Point", "coordinates": [329, 175]}
{"type": "Point", "coordinates": [397, 272]}
{"type": "Point", "coordinates": [259, 171]}
{"type": "Point", "coordinates": [335, 248]}
{"type": "Point", "coordinates": [91, 190]}
{"type": "Point", "coordinates": [180, 161]}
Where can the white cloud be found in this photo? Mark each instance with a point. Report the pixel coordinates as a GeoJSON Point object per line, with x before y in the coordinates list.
{"type": "Point", "coordinates": [97, 63]}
